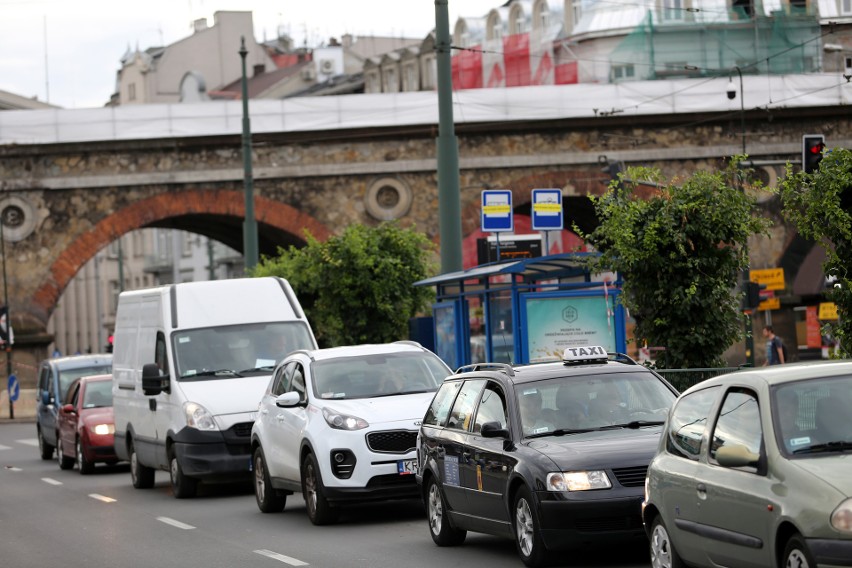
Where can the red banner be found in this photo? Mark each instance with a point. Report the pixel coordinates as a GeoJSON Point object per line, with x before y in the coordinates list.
{"type": "Point", "coordinates": [566, 74]}
{"type": "Point", "coordinates": [814, 338]}
{"type": "Point", "coordinates": [516, 57]}
{"type": "Point", "coordinates": [467, 69]}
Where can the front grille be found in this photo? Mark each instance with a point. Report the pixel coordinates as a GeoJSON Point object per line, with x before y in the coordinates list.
{"type": "Point", "coordinates": [392, 441]}
{"type": "Point", "coordinates": [390, 481]}
{"type": "Point", "coordinates": [631, 476]}
{"type": "Point", "coordinates": [242, 429]}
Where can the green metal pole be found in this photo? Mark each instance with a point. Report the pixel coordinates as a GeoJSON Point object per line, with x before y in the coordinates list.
{"type": "Point", "coordinates": [449, 200]}
{"type": "Point", "coordinates": [249, 225]}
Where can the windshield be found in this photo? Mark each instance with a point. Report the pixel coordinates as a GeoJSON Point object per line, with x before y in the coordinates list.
{"type": "Point", "coordinates": [385, 374]}
{"type": "Point", "coordinates": [68, 376]}
{"type": "Point", "coordinates": [812, 417]}
{"type": "Point", "coordinates": [237, 350]}
{"type": "Point", "coordinates": [578, 404]}
{"type": "Point", "coordinates": [98, 394]}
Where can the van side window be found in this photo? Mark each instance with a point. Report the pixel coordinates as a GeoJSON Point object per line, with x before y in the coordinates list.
{"type": "Point", "coordinates": [43, 378]}
{"type": "Point", "coordinates": [297, 383]}
{"type": "Point", "coordinates": [160, 357]}
{"type": "Point", "coordinates": [51, 389]}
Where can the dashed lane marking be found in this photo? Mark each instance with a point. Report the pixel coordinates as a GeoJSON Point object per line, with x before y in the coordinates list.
{"type": "Point", "coordinates": [28, 442]}
{"type": "Point", "coordinates": [175, 523]}
{"type": "Point", "coordinates": [102, 498]}
{"type": "Point", "coordinates": [51, 481]}
{"type": "Point", "coordinates": [281, 558]}
{"type": "Point", "coordinates": [2, 447]}
{"type": "Point", "coordinates": [12, 468]}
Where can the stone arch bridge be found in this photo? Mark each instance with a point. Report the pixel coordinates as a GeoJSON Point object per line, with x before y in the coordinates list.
{"type": "Point", "coordinates": [62, 202]}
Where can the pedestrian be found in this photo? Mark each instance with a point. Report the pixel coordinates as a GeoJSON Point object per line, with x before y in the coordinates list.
{"type": "Point", "coordinates": [7, 333]}
{"type": "Point", "coordinates": [776, 352]}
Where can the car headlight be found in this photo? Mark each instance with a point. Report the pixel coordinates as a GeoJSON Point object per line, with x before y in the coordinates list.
{"type": "Point", "coordinates": [103, 429]}
{"type": "Point", "coordinates": [198, 417]}
{"type": "Point", "coordinates": [340, 421]}
{"type": "Point", "coordinates": [577, 480]}
{"type": "Point", "coordinates": [841, 518]}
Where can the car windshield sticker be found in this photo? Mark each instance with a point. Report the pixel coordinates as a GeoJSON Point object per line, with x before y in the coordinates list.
{"type": "Point", "coordinates": [800, 441]}
{"type": "Point", "coordinates": [451, 470]}
{"type": "Point", "coordinates": [541, 429]}
{"type": "Point", "coordinates": [528, 392]}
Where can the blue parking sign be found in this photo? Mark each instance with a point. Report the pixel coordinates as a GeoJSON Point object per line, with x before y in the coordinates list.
{"type": "Point", "coordinates": [14, 388]}
{"type": "Point", "coordinates": [497, 213]}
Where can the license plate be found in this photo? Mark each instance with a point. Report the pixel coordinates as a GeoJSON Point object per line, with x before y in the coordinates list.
{"type": "Point", "coordinates": [406, 467]}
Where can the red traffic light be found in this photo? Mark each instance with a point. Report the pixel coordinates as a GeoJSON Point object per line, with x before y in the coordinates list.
{"type": "Point", "coordinates": [812, 148]}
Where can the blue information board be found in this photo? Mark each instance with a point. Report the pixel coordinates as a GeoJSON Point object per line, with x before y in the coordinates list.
{"type": "Point", "coordinates": [547, 212]}
{"type": "Point", "coordinates": [497, 213]}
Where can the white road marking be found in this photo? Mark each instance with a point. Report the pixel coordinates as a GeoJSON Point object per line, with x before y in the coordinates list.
{"type": "Point", "coordinates": [29, 442]}
{"type": "Point", "coordinates": [102, 498]}
{"type": "Point", "coordinates": [13, 468]}
{"type": "Point", "coordinates": [2, 447]}
{"type": "Point", "coordinates": [51, 481]}
{"type": "Point", "coordinates": [175, 523]}
{"type": "Point", "coordinates": [281, 558]}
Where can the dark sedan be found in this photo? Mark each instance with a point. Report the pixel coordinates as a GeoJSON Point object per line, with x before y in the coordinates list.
{"type": "Point", "coordinates": [553, 455]}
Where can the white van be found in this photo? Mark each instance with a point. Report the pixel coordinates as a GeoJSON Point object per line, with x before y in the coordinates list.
{"type": "Point", "coordinates": [191, 362]}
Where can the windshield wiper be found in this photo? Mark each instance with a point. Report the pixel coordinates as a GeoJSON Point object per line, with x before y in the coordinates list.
{"type": "Point", "coordinates": [562, 432]}
{"type": "Point", "coordinates": [838, 446]}
{"type": "Point", "coordinates": [638, 424]}
{"type": "Point", "coordinates": [258, 369]}
{"type": "Point", "coordinates": [212, 374]}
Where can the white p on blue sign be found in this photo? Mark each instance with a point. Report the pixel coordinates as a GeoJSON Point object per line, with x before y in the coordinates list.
{"type": "Point", "coordinates": [497, 211]}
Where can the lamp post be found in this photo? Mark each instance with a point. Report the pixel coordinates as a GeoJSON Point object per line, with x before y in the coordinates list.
{"type": "Point", "coordinates": [249, 225]}
{"type": "Point", "coordinates": [749, 326]}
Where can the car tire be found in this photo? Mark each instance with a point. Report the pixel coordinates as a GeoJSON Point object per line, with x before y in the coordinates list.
{"type": "Point", "coordinates": [797, 554]}
{"type": "Point", "coordinates": [663, 553]}
{"type": "Point", "coordinates": [527, 532]}
{"type": "Point", "coordinates": [269, 500]}
{"type": "Point", "coordinates": [142, 476]}
{"type": "Point", "coordinates": [64, 461]}
{"type": "Point", "coordinates": [313, 491]}
{"type": "Point", "coordinates": [183, 486]}
{"type": "Point", "coordinates": [45, 449]}
{"type": "Point", "coordinates": [83, 465]}
{"type": "Point", "coordinates": [440, 526]}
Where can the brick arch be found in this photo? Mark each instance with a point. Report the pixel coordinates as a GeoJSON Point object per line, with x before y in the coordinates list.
{"type": "Point", "coordinates": [145, 212]}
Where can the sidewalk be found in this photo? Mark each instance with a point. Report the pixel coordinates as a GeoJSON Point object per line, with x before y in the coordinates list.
{"type": "Point", "coordinates": [25, 406]}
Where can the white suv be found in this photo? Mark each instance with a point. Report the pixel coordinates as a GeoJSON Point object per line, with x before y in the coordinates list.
{"type": "Point", "coordinates": [340, 425]}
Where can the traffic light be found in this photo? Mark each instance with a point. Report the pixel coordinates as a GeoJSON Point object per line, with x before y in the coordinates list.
{"type": "Point", "coordinates": [812, 147]}
{"type": "Point", "coordinates": [751, 299]}
{"type": "Point", "coordinates": [614, 168]}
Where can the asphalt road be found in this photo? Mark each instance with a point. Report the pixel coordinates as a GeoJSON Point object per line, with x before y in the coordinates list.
{"type": "Point", "coordinates": [50, 517]}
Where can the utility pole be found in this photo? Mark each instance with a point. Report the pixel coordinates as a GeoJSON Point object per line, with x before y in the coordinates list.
{"type": "Point", "coordinates": [449, 200]}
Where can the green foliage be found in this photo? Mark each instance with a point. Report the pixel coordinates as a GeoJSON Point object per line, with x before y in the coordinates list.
{"type": "Point", "coordinates": [679, 252]}
{"type": "Point", "coordinates": [357, 287]}
{"type": "Point", "coordinates": [820, 205]}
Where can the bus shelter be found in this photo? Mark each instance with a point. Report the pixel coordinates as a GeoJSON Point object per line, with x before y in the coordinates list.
{"type": "Point", "coordinates": [525, 311]}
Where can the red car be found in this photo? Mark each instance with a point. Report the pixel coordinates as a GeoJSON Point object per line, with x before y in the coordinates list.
{"type": "Point", "coordinates": [86, 425]}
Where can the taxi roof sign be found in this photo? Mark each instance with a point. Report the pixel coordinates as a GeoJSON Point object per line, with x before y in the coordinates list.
{"type": "Point", "coordinates": [585, 354]}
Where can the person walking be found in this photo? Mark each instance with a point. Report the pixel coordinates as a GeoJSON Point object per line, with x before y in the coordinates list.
{"type": "Point", "coordinates": [775, 351]}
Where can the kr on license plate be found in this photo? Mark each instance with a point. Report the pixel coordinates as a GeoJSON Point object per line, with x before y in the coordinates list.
{"type": "Point", "coordinates": [406, 467]}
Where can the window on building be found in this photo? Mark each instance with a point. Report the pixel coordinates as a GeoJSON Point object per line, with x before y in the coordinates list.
{"type": "Point", "coordinates": [622, 72]}
{"type": "Point", "coordinates": [743, 7]}
{"type": "Point", "coordinates": [131, 92]}
{"type": "Point", "coordinates": [576, 10]}
{"type": "Point", "coordinates": [517, 21]}
{"type": "Point", "coordinates": [390, 81]}
{"type": "Point", "coordinates": [798, 5]}
{"type": "Point", "coordinates": [185, 241]}
{"type": "Point", "coordinates": [846, 7]}
{"type": "Point", "coordinates": [429, 72]}
{"type": "Point", "coordinates": [114, 291]}
{"type": "Point", "coordinates": [672, 10]}
{"type": "Point", "coordinates": [411, 78]}
{"type": "Point", "coordinates": [541, 14]}
{"type": "Point", "coordinates": [847, 63]}
{"type": "Point", "coordinates": [495, 27]}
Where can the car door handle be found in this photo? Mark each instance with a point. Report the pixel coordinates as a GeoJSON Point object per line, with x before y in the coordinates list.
{"type": "Point", "coordinates": [702, 490]}
{"type": "Point", "coordinates": [264, 411]}
{"type": "Point", "coordinates": [280, 417]}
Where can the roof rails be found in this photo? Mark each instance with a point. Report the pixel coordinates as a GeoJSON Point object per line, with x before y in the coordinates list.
{"type": "Point", "coordinates": [501, 367]}
{"type": "Point", "coordinates": [307, 352]}
{"type": "Point", "coordinates": [408, 342]}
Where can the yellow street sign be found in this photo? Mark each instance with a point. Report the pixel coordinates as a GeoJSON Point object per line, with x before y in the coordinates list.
{"type": "Point", "coordinates": [827, 311]}
{"type": "Point", "coordinates": [769, 304]}
{"type": "Point", "coordinates": [772, 277]}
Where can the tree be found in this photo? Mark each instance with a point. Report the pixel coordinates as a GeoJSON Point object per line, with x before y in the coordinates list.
{"type": "Point", "coordinates": [356, 287]}
{"type": "Point", "coordinates": [679, 252]}
{"type": "Point", "coordinates": [819, 204]}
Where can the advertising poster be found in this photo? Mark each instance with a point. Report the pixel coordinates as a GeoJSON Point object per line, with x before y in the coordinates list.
{"type": "Point", "coordinates": [555, 323]}
{"type": "Point", "coordinates": [445, 333]}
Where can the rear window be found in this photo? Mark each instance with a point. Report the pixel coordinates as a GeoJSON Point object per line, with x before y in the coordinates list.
{"type": "Point", "coordinates": [68, 376]}
{"type": "Point", "coordinates": [98, 394]}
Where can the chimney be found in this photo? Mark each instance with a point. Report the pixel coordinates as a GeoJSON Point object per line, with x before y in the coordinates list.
{"type": "Point", "coordinates": [347, 40]}
{"type": "Point", "coordinates": [199, 25]}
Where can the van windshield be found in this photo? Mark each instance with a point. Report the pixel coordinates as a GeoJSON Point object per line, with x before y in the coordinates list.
{"type": "Point", "coordinates": [237, 350]}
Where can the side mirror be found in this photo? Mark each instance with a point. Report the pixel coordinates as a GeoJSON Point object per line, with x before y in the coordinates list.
{"type": "Point", "coordinates": [494, 430]}
{"type": "Point", "coordinates": [736, 455]}
{"type": "Point", "coordinates": [153, 382]}
{"type": "Point", "coordinates": [45, 398]}
{"type": "Point", "coordinates": [288, 400]}
{"type": "Point", "coordinates": [69, 409]}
